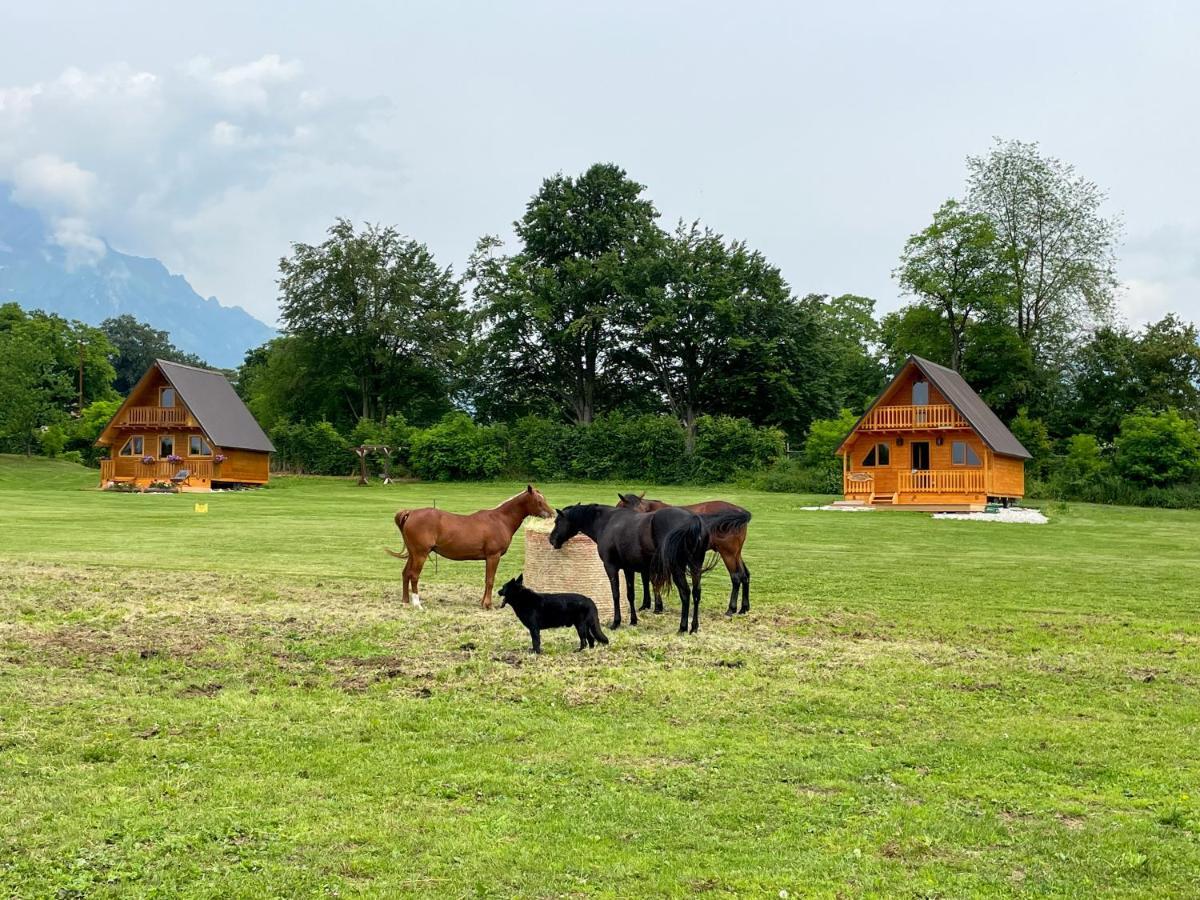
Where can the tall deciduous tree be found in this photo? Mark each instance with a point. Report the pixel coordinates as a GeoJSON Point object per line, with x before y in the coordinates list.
{"type": "Point", "coordinates": [854, 336]}
{"type": "Point", "coordinates": [554, 314]}
{"type": "Point", "coordinates": [720, 327]}
{"type": "Point", "coordinates": [135, 347]}
{"type": "Point", "coordinates": [1055, 244]}
{"type": "Point", "coordinates": [952, 267]}
{"type": "Point", "coordinates": [377, 312]}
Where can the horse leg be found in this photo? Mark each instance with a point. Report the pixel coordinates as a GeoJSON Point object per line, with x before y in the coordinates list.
{"type": "Point", "coordinates": [745, 588]}
{"type": "Point", "coordinates": [489, 579]}
{"type": "Point", "coordinates": [645, 590]}
{"type": "Point", "coordinates": [404, 578]}
{"type": "Point", "coordinates": [681, 585]}
{"type": "Point", "coordinates": [631, 594]}
{"type": "Point", "coordinates": [735, 577]}
{"type": "Point", "coordinates": [696, 573]}
{"type": "Point", "coordinates": [416, 559]}
{"type": "Point", "coordinates": [615, 584]}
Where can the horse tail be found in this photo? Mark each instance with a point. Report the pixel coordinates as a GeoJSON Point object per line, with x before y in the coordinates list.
{"type": "Point", "coordinates": [723, 524]}
{"type": "Point", "coordinates": [401, 518]}
{"type": "Point", "coordinates": [679, 550]}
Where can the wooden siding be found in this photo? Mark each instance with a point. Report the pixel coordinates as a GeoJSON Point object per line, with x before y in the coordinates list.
{"type": "Point", "coordinates": [244, 466]}
{"type": "Point", "coordinates": [1008, 477]}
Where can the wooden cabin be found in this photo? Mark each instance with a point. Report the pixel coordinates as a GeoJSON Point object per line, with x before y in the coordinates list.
{"type": "Point", "coordinates": [929, 442]}
{"type": "Point", "coordinates": [184, 425]}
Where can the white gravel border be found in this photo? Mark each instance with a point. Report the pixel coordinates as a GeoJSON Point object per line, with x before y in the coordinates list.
{"type": "Point", "coordinates": [1019, 515]}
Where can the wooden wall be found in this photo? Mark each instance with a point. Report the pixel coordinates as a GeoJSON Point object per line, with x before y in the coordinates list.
{"type": "Point", "coordinates": [1008, 476]}
{"type": "Point", "coordinates": [246, 466]}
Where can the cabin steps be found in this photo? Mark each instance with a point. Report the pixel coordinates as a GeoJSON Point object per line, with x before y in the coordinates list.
{"type": "Point", "coordinates": [884, 499]}
{"type": "Point", "coordinates": [848, 504]}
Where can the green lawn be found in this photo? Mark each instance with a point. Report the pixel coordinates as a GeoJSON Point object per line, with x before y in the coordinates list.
{"type": "Point", "coordinates": [236, 704]}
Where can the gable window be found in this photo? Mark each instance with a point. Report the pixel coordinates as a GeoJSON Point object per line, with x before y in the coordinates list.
{"type": "Point", "coordinates": [198, 446]}
{"type": "Point", "coordinates": [963, 454]}
{"type": "Point", "coordinates": [920, 393]}
{"type": "Point", "coordinates": [134, 446]}
{"type": "Point", "coordinates": [876, 456]}
{"type": "Point", "coordinates": [166, 446]}
{"type": "Point", "coordinates": [166, 398]}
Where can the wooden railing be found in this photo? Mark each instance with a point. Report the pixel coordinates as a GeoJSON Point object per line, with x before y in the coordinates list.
{"type": "Point", "coordinates": [937, 415]}
{"type": "Point", "coordinates": [858, 483]}
{"type": "Point", "coordinates": [943, 481]}
{"type": "Point", "coordinates": [155, 415]}
{"type": "Point", "coordinates": [158, 470]}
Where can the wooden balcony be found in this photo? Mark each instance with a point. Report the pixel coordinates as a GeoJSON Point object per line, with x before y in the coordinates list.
{"type": "Point", "coordinates": [904, 418]}
{"type": "Point", "coordinates": [154, 416]}
{"type": "Point", "coordinates": [943, 481]}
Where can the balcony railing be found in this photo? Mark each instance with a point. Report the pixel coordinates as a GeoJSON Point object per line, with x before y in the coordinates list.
{"type": "Point", "coordinates": [158, 470]}
{"type": "Point", "coordinates": [858, 483]}
{"type": "Point", "coordinates": [893, 418]}
{"type": "Point", "coordinates": [943, 481]}
{"type": "Point", "coordinates": [155, 415]}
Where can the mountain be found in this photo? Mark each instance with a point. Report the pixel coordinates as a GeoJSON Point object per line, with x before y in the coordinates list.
{"type": "Point", "coordinates": [37, 273]}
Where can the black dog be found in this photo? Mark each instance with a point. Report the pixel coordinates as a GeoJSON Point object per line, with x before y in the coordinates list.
{"type": "Point", "coordinates": [537, 611]}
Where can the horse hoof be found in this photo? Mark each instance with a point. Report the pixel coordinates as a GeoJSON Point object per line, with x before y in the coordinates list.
{"type": "Point", "coordinates": [615, 625]}
{"type": "Point", "coordinates": [730, 612]}
{"type": "Point", "coordinates": [743, 610]}
{"type": "Point", "coordinates": [682, 630]}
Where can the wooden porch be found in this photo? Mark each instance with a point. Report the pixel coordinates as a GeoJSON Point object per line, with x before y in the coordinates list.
{"type": "Point", "coordinates": [132, 470]}
{"type": "Point", "coordinates": [933, 489]}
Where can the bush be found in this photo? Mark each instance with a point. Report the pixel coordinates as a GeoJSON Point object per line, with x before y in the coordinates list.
{"type": "Point", "coordinates": [316, 449]}
{"type": "Point", "coordinates": [726, 447]}
{"type": "Point", "coordinates": [791, 476]}
{"type": "Point", "coordinates": [1081, 466]}
{"type": "Point", "coordinates": [1035, 437]}
{"type": "Point", "coordinates": [458, 449]}
{"type": "Point", "coordinates": [820, 448]}
{"type": "Point", "coordinates": [52, 439]}
{"type": "Point", "coordinates": [73, 456]}
{"type": "Point", "coordinates": [1158, 449]}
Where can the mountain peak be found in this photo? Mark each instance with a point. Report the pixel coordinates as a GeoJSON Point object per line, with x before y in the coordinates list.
{"type": "Point", "coordinates": [39, 270]}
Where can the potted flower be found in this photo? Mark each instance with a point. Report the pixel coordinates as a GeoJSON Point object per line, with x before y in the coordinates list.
{"type": "Point", "coordinates": [220, 458]}
{"type": "Point", "coordinates": [148, 460]}
{"type": "Point", "coordinates": [174, 458]}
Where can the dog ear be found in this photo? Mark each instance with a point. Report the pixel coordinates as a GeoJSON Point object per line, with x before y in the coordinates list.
{"type": "Point", "coordinates": [642, 495]}
{"type": "Point", "coordinates": [559, 511]}
{"type": "Point", "coordinates": [529, 488]}
{"type": "Point", "coordinates": [521, 578]}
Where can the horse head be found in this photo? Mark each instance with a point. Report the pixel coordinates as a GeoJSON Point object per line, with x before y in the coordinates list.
{"type": "Point", "coordinates": [566, 526]}
{"type": "Point", "coordinates": [537, 503]}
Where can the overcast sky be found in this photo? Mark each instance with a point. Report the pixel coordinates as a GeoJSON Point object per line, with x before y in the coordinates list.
{"type": "Point", "coordinates": [211, 135]}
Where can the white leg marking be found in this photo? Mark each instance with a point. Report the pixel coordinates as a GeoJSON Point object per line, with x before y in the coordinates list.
{"type": "Point", "coordinates": [416, 599]}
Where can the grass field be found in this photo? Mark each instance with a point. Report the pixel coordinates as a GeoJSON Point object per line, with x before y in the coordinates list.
{"type": "Point", "coordinates": [235, 704]}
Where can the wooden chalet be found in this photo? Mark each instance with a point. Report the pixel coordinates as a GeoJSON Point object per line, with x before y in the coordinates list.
{"type": "Point", "coordinates": [929, 442]}
{"type": "Point", "coordinates": [184, 425]}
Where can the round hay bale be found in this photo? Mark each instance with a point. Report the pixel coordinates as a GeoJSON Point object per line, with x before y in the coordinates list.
{"type": "Point", "coordinates": [575, 568]}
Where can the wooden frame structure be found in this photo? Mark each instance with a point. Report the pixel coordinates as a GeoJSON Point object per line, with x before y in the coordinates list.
{"type": "Point", "coordinates": [930, 442]}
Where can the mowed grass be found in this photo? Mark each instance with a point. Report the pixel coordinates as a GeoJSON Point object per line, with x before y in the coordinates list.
{"type": "Point", "coordinates": [236, 704]}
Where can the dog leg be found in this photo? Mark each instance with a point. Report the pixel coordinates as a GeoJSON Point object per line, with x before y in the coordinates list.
{"type": "Point", "coordinates": [536, 634]}
{"type": "Point", "coordinates": [583, 635]}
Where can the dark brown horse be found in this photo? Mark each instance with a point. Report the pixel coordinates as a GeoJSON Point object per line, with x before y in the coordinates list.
{"type": "Point", "coordinates": [481, 535]}
{"type": "Point", "coordinates": [726, 542]}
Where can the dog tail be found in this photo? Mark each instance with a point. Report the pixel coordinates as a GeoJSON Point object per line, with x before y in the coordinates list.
{"type": "Point", "coordinates": [401, 518]}
{"type": "Point", "coordinates": [594, 625]}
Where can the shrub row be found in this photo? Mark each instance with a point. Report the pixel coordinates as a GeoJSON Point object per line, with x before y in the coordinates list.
{"type": "Point", "coordinates": [646, 449]}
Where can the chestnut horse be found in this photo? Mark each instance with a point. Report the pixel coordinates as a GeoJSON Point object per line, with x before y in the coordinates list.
{"type": "Point", "coordinates": [727, 542]}
{"type": "Point", "coordinates": [481, 535]}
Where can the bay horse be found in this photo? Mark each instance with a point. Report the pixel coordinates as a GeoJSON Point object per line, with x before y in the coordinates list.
{"type": "Point", "coordinates": [726, 542]}
{"type": "Point", "coordinates": [485, 535]}
{"type": "Point", "coordinates": [666, 545]}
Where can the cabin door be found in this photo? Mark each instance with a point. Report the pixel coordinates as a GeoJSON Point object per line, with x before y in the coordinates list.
{"type": "Point", "coordinates": [920, 456]}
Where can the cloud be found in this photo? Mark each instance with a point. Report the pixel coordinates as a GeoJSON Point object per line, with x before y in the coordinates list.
{"type": "Point", "coordinates": [172, 164]}
{"type": "Point", "coordinates": [1162, 269]}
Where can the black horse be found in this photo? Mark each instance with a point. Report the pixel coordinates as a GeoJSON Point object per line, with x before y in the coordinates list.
{"type": "Point", "coordinates": [664, 547]}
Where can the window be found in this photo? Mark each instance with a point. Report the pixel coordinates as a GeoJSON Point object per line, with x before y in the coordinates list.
{"type": "Point", "coordinates": [198, 446]}
{"type": "Point", "coordinates": [920, 393]}
{"type": "Point", "coordinates": [133, 446]}
{"type": "Point", "coordinates": [166, 446]}
{"type": "Point", "coordinates": [877, 456]}
{"type": "Point", "coordinates": [963, 454]}
{"type": "Point", "coordinates": [166, 398]}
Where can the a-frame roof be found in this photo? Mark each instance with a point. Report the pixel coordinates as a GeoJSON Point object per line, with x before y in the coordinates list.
{"type": "Point", "coordinates": [218, 409]}
{"type": "Point", "coordinates": [969, 404]}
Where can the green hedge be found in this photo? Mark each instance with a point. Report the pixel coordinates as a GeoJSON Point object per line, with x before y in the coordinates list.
{"type": "Point", "coordinates": [642, 449]}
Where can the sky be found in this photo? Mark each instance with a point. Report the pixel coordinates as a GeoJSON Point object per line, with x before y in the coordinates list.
{"type": "Point", "coordinates": [213, 135]}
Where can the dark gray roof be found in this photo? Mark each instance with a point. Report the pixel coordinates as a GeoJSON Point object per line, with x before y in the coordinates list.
{"type": "Point", "coordinates": [959, 395]}
{"type": "Point", "coordinates": [218, 409]}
